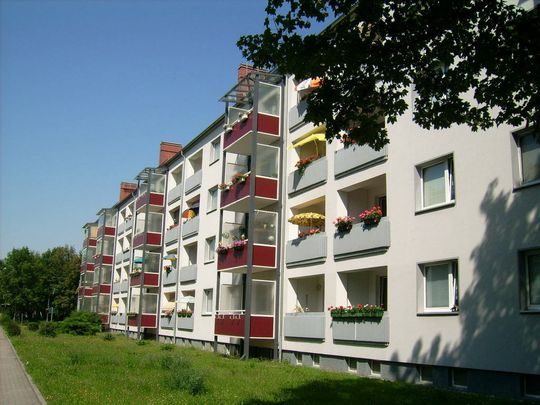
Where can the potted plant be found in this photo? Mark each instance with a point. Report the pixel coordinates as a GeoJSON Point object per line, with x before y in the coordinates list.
{"type": "Point", "coordinates": [305, 162]}
{"type": "Point", "coordinates": [309, 232]}
{"type": "Point", "coordinates": [184, 313]}
{"type": "Point", "coordinates": [222, 249]}
{"type": "Point", "coordinates": [239, 244]}
{"type": "Point", "coordinates": [238, 178]}
{"type": "Point", "coordinates": [371, 216]}
{"type": "Point", "coordinates": [224, 187]}
{"type": "Point", "coordinates": [167, 269]}
{"type": "Point", "coordinates": [358, 311]}
{"type": "Point", "coordinates": [228, 128]}
{"type": "Point", "coordinates": [244, 117]}
{"type": "Point", "coordinates": [347, 141]}
{"type": "Point", "coordinates": [167, 312]}
{"type": "Point", "coordinates": [344, 224]}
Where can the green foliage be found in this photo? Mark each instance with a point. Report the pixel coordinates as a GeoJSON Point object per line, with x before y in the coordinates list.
{"type": "Point", "coordinates": [141, 342]}
{"type": "Point", "coordinates": [109, 337]}
{"type": "Point", "coordinates": [167, 347]}
{"type": "Point", "coordinates": [81, 323]}
{"type": "Point", "coordinates": [376, 50]}
{"type": "Point", "coordinates": [28, 280]}
{"type": "Point", "coordinates": [48, 329]}
{"type": "Point", "coordinates": [33, 326]}
{"type": "Point", "coordinates": [12, 328]}
{"type": "Point", "coordinates": [4, 319]}
{"type": "Point", "coordinates": [185, 379]}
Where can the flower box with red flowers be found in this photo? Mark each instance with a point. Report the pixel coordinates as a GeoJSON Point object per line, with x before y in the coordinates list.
{"type": "Point", "coordinates": [344, 224]}
{"type": "Point", "coordinates": [310, 232]}
{"type": "Point", "coordinates": [305, 162]}
{"type": "Point", "coordinates": [358, 311]}
{"type": "Point", "coordinates": [371, 216]}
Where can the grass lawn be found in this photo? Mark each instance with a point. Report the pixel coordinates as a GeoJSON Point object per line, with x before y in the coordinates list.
{"type": "Point", "coordinates": [91, 370]}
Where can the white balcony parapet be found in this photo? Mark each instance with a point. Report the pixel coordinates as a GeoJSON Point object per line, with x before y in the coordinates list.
{"type": "Point", "coordinates": [369, 330]}
{"type": "Point", "coordinates": [362, 241]}
{"type": "Point", "coordinates": [307, 250]}
{"type": "Point", "coordinates": [188, 273]}
{"type": "Point", "coordinates": [171, 236]}
{"type": "Point", "coordinates": [356, 158]}
{"type": "Point", "coordinates": [306, 325]}
{"type": "Point", "coordinates": [314, 175]}
{"type": "Point", "coordinates": [175, 194]}
{"type": "Point", "coordinates": [190, 228]}
{"type": "Point", "coordinates": [193, 182]}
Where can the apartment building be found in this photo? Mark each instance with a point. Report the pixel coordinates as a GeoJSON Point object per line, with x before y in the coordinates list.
{"type": "Point", "coordinates": [231, 244]}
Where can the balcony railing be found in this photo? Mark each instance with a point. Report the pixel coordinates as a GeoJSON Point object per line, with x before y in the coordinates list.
{"type": "Point", "coordinates": [118, 319]}
{"type": "Point", "coordinates": [263, 256]}
{"type": "Point", "coordinates": [128, 224]}
{"type": "Point", "coordinates": [307, 250]}
{"type": "Point", "coordinates": [307, 325]}
{"type": "Point", "coordinates": [118, 258]}
{"type": "Point", "coordinates": [126, 255]}
{"type": "Point", "coordinates": [362, 240]}
{"type": "Point", "coordinates": [153, 199]}
{"type": "Point", "coordinates": [152, 239]}
{"type": "Point", "coordinates": [297, 114]}
{"type": "Point", "coordinates": [188, 273]}
{"type": "Point", "coordinates": [103, 259]}
{"type": "Point", "coordinates": [238, 140]}
{"type": "Point", "coordinates": [168, 322]}
{"type": "Point", "coordinates": [105, 231]}
{"type": "Point", "coordinates": [236, 198]}
{"type": "Point", "coordinates": [121, 228]}
{"type": "Point", "coordinates": [147, 320]}
{"type": "Point", "coordinates": [150, 280]}
{"type": "Point", "coordinates": [185, 323]}
{"type": "Point", "coordinates": [193, 182]}
{"type": "Point", "coordinates": [171, 235]}
{"type": "Point", "coordinates": [369, 330]}
{"type": "Point", "coordinates": [261, 326]}
{"type": "Point", "coordinates": [314, 175]}
{"type": "Point", "coordinates": [175, 194]}
{"type": "Point", "coordinates": [190, 228]}
{"type": "Point", "coordinates": [169, 277]}
{"type": "Point", "coordinates": [354, 158]}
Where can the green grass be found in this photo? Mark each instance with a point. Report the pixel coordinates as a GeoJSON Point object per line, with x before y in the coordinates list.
{"type": "Point", "coordinates": [91, 370]}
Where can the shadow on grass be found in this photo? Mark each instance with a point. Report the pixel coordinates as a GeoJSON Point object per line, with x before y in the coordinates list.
{"type": "Point", "coordinates": [369, 391]}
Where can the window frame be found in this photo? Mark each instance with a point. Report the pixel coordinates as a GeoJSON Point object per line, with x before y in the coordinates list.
{"type": "Point", "coordinates": [214, 157]}
{"type": "Point", "coordinates": [209, 253]}
{"type": "Point", "coordinates": [212, 196]}
{"type": "Point", "coordinates": [452, 272]}
{"type": "Point", "coordinates": [205, 302]}
{"type": "Point", "coordinates": [525, 287]}
{"type": "Point", "coordinates": [518, 138]}
{"type": "Point", "coordinates": [449, 182]}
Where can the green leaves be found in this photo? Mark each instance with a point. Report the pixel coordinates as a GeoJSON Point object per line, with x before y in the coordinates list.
{"type": "Point", "coordinates": [470, 62]}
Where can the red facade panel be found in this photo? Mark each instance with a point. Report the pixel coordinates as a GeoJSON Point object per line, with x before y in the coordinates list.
{"type": "Point", "coordinates": [110, 231]}
{"type": "Point", "coordinates": [152, 238]}
{"type": "Point", "coordinates": [150, 198]}
{"type": "Point", "coordinates": [233, 325]}
{"type": "Point", "coordinates": [236, 192]}
{"type": "Point", "coordinates": [268, 124]}
{"type": "Point", "coordinates": [262, 256]}
{"type": "Point", "coordinates": [266, 188]}
{"type": "Point", "coordinates": [104, 318]}
{"type": "Point", "coordinates": [150, 280]}
{"type": "Point", "coordinates": [104, 288]}
{"type": "Point", "coordinates": [239, 130]}
{"type": "Point", "coordinates": [147, 320]}
{"type": "Point", "coordinates": [104, 259]}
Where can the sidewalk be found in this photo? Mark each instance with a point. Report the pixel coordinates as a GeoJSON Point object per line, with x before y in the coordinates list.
{"type": "Point", "coordinates": [16, 387]}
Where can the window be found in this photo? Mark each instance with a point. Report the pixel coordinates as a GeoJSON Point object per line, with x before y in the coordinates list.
{"type": "Point", "coordinates": [215, 150]}
{"type": "Point", "coordinates": [530, 289]}
{"type": "Point", "coordinates": [426, 374]}
{"type": "Point", "coordinates": [531, 386]}
{"type": "Point", "coordinates": [212, 199]}
{"type": "Point", "coordinates": [440, 287]}
{"type": "Point", "coordinates": [529, 157]}
{"type": "Point", "coordinates": [208, 301]}
{"type": "Point", "coordinates": [459, 378]}
{"type": "Point", "coordinates": [210, 249]}
{"type": "Point", "coordinates": [375, 367]}
{"type": "Point", "coordinates": [437, 183]}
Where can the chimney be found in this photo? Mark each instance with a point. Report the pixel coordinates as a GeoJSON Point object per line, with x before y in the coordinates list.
{"type": "Point", "coordinates": [126, 189]}
{"type": "Point", "coordinates": [167, 150]}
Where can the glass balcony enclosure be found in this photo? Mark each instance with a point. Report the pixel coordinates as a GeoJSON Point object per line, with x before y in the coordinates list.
{"type": "Point", "coordinates": [264, 232]}
{"type": "Point", "coordinates": [234, 227]}
{"type": "Point", "coordinates": [262, 298]}
{"type": "Point", "coordinates": [269, 99]}
{"type": "Point", "coordinates": [151, 261]}
{"type": "Point", "coordinates": [105, 274]}
{"type": "Point", "coordinates": [103, 304]}
{"type": "Point", "coordinates": [153, 224]}
{"type": "Point", "coordinates": [234, 114]}
{"type": "Point", "coordinates": [149, 302]}
{"type": "Point", "coordinates": [105, 246]}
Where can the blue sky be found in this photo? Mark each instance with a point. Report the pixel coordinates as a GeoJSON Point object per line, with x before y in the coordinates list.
{"type": "Point", "coordinates": [88, 89]}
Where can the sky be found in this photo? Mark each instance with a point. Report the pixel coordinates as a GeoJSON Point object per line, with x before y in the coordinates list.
{"type": "Point", "coordinates": [88, 90]}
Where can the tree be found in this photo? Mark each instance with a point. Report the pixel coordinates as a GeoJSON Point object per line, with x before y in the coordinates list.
{"type": "Point", "coordinates": [28, 280]}
{"type": "Point", "coordinates": [472, 62]}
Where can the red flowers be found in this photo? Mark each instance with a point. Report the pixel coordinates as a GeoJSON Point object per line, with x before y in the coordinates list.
{"type": "Point", "coordinates": [303, 163]}
{"type": "Point", "coordinates": [310, 232]}
{"type": "Point", "coordinates": [359, 311]}
{"type": "Point", "coordinates": [371, 216]}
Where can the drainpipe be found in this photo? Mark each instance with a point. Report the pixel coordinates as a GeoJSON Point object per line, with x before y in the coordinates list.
{"type": "Point", "coordinates": [251, 221]}
{"type": "Point", "coordinates": [158, 315]}
{"type": "Point", "coordinates": [178, 249]}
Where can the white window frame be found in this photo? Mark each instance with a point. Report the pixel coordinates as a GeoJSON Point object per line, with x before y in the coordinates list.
{"type": "Point", "coordinates": [449, 186]}
{"type": "Point", "coordinates": [453, 288]}
{"type": "Point", "coordinates": [209, 252]}
{"type": "Point", "coordinates": [520, 159]}
{"type": "Point", "coordinates": [526, 254]}
{"type": "Point", "coordinates": [212, 198]}
{"type": "Point", "coordinates": [215, 144]}
{"type": "Point", "coordinates": [208, 292]}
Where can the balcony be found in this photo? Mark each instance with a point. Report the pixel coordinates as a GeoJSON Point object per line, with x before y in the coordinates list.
{"type": "Point", "coordinates": [154, 200]}
{"type": "Point", "coordinates": [89, 242]}
{"type": "Point", "coordinates": [118, 319]}
{"type": "Point", "coordinates": [123, 286]}
{"type": "Point", "coordinates": [234, 324]}
{"type": "Point", "coordinates": [121, 228]}
{"type": "Point", "coordinates": [362, 241]}
{"type": "Point", "coordinates": [188, 273]}
{"type": "Point", "coordinates": [307, 250]}
{"type": "Point", "coordinates": [118, 258]}
{"type": "Point", "coordinates": [263, 256]}
{"type": "Point", "coordinates": [150, 280]}
{"type": "Point", "coordinates": [103, 260]}
{"type": "Point", "coordinates": [101, 289]}
{"type": "Point", "coordinates": [175, 194]}
{"type": "Point", "coordinates": [153, 239]}
{"type": "Point", "coordinates": [116, 287]}
{"type": "Point", "coordinates": [356, 158]}
{"type": "Point", "coordinates": [87, 292]}
{"type": "Point", "coordinates": [128, 224]}
{"type": "Point", "coordinates": [307, 325]}
{"type": "Point", "coordinates": [239, 140]}
{"type": "Point", "coordinates": [87, 267]}
{"type": "Point", "coordinates": [193, 182]}
{"type": "Point", "coordinates": [169, 277]}
{"type": "Point", "coordinates": [314, 175]}
{"type": "Point", "coordinates": [297, 114]}
{"type": "Point", "coordinates": [237, 197]}
{"type": "Point", "coordinates": [369, 330]}
{"type": "Point", "coordinates": [185, 323]}
{"type": "Point", "coordinates": [126, 256]}
{"type": "Point", "coordinates": [167, 322]}
{"type": "Point", "coordinates": [147, 320]}
{"type": "Point", "coordinates": [190, 228]}
{"type": "Point", "coordinates": [171, 236]}
{"type": "Point", "coordinates": [105, 231]}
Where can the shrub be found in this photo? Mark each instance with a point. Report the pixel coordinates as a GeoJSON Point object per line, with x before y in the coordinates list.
{"type": "Point", "coordinates": [141, 342]}
{"type": "Point", "coordinates": [48, 329]}
{"type": "Point", "coordinates": [81, 323]}
{"type": "Point", "coordinates": [167, 347]}
{"type": "Point", "coordinates": [12, 328]}
{"type": "Point", "coordinates": [33, 326]}
{"type": "Point", "coordinates": [187, 379]}
{"type": "Point", "coordinates": [4, 319]}
{"type": "Point", "coordinates": [108, 336]}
